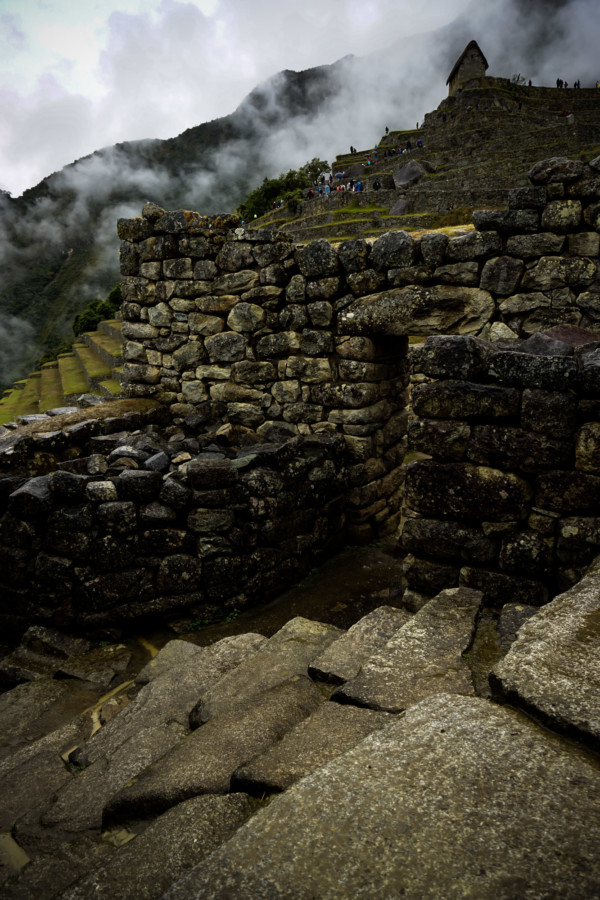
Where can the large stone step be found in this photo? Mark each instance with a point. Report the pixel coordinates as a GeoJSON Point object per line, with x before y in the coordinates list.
{"type": "Point", "coordinates": [423, 657]}
{"type": "Point", "coordinates": [553, 668]}
{"type": "Point", "coordinates": [457, 798]}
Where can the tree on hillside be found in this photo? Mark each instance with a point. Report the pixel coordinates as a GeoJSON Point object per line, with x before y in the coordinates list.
{"type": "Point", "coordinates": [98, 310]}
{"type": "Point", "coordinates": [287, 187]}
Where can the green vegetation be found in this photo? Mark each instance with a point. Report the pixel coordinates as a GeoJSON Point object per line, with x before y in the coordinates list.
{"type": "Point", "coordinates": [98, 310]}
{"type": "Point", "coordinates": [95, 312]}
{"type": "Point", "coordinates": [288, 187]}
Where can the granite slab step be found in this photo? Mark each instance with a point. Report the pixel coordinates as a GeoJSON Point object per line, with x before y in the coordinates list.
{"type": "Point", "coordinates": [177, 841]}
{"type": "Point", "coordinates": [288, 653]}
{"type": "Point", "coordinates": [553, 667]}
{"type": "Point", "coordinates": [170, 695]}
{"type": "Point", "coordinates": [205, 761]}
{"type": "Point", "coordinates": [457, 798]}
{"type": "Point", "coordinates": [424, 657]}
{"type": "Point", "coordinates": [330, 731]}
{"type": "Point", "coordinates": [342, 660]}
{"type": "Point", "coordinates": [140, 733]}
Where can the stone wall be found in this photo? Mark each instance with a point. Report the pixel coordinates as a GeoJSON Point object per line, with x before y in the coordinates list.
{"type": "Point", "coordinates": [508, 500]}
{"type": "Point", "coordinates": [126, 534]}
{"type": "Point", "coordinates": [286, 369]}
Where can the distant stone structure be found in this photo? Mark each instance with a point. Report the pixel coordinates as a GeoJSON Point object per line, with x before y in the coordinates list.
{"type": "Point", "coordinates": [470, 66]}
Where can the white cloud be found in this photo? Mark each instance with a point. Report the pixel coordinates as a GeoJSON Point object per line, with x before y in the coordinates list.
{"type": "Point", "coordinates": [82, 76]}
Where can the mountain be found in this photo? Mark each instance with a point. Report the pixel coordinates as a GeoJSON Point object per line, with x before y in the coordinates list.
{"type": "Point", "coordinates": [58, 247]}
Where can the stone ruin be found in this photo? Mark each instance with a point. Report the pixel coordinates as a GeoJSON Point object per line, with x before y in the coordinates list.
{"type": "Point", "coordinates": [318, 761]}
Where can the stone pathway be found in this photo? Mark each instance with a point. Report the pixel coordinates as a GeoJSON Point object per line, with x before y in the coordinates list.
{"type": "Point", "coordinates": [253, 767]}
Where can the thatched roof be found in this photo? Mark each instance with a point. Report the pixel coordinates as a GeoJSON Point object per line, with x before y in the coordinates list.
{"type": "Point", "coordinates": [472, 45]}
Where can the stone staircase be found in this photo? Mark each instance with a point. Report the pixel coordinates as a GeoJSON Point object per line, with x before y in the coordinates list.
{"type": "Point", "coordinates": [314, 762]}
{"type": "Point", "coordinates": [95, 366]}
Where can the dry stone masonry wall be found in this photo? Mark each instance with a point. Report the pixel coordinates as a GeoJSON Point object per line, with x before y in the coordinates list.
{"type": "Point", "coordinates": [508, 500]}
{"type": "Point", "coordinates": [286, 369]}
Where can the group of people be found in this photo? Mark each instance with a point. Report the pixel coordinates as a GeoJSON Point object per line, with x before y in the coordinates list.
{"type": "Point", "coordinates": [565, 84]}
{"type": "Point", "coordinates": [324, 190]}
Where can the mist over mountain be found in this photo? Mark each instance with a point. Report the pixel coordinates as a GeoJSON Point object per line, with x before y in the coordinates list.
{"type": "Point", "coordinates": [58, 245]}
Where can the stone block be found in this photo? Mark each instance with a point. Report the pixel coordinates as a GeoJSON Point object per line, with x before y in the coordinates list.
{"type": "Point", "coordinates": [427, 576]}
{"type": "Point", "coordinates": [463, 490]}
{"type": "Point", "coordinates": [465, 399]}
{"type": "Point", "coordinates": [499, 588]}
{"type": "Point", "coordinates": [442, 440]}
{"type": "Point", "coordinates": [354, 254]}
{"type": "Point", "coordinates": [447, 540]}
{"type": "Point", "coordinates": [553, 413]}
{"type": "Point", "coordinates": [205, 761]}
{"type": "Point", "coordinates": [462, 273]}
{"type": "Point", "coordinates": [568, 492]}
{"type": "Point", "coordinates": [476, 245]}
{"type": "Point", "coordinates": [286, 655]}
{"type": "Point", "coordinates": [423, 658]}
{"type": "Point", "coordinates": [227, 347]}
{"type": "Point", "coordinates": [530, 245]}
{"type": "Point", "coordinates": [552, 668]}
{"type": "Point", "coordinates": [578, 540]}
{"type": "Point", "coordinates": [419, 310]}
{"type": "Point", "coordinates": [562, 216]}
{"type": "Point", "coordinates": [395, 248]}
{"type": "Point", "coordinates": [555, 169]}
{"type": "Point", "coordinates": [587, 448]}
{"type": "Point", "coordinates": [552, 272]}
{"type": "Point", "coordinates": [527, 553]}
{"type": "Point", "coordinates": [343, 658]}
{"type": "Point", "coordinates": [527, 198]}
{"type": "Point", "coordinates": [528, 371]}
{"type": "Point", "coordinates": [330, 731]}
{"type": "Point", "coordinates": [454, 356]}
{"type": "Point", "coordinates": [318, 259]}
{"type": "Point", "coordinates": [516, 449]}
{"type": "Point", "coordinates": [501, 275]}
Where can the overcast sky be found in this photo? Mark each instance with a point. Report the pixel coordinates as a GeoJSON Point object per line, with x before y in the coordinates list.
{"type": "Point", "coordinates": [77, 75]}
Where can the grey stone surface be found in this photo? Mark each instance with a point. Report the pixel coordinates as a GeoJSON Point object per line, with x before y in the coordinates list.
{"type": "Point", "coordinates": [168, 698]}
{"type": "Point", "coordinates": [344, 657]}
{"type": "Point", "coordinates": [553, 668]}
{"type": "Point", "coordinates": [146, 866]}
{"type": "Point", "coordinates": [458, 798]}
{"type": "Point", "coordinates": [205, 761]}
{"type": "Point", "coordinates": [327, 733]}
{"type": "Point", "coordinates": [29, 784]}
{"type": "Point", "coordinates": [48, 875]}
{"type": "Point", "coordinates": [98, 666]}
{"type": "Point", "coordinates": [422, 658]}
{"type": "Point", "coordinates": [419, 310]}
{"type": "Point", "coordinates": [288, 653]}
{"type": "Point", "coordinates": [175, 653]}
{"type": "Point", "coordinates": [28, 710]}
